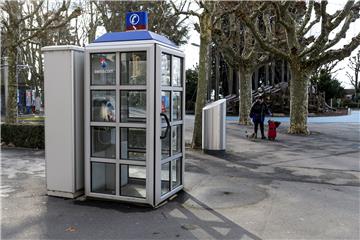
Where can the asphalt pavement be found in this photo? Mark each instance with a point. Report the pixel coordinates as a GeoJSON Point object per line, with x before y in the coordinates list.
{"type": "Point", "coordinates": [297, 187]}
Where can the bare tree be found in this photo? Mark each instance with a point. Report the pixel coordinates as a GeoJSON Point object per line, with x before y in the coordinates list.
{"type": "Point", "coordinates": [204, 28]}
{"type": "Point", "coordinates": [353, 76]}
{"type": "Point", "coordinates": [14, 18]}
{"type": "Point", "coordinates": [208, 15]}
{"type": "Point", "coordinates": [241, 51]}
{"type": "Point", "coordinates": [67, 34]}
{"type": "Point", "coordinates": [303, 51]}
{"type": "Point", "coordinates": [94, 22]}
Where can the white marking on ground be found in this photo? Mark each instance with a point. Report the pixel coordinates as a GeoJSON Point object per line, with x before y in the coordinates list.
{"type": "Point", "coordinates": [5, 190]}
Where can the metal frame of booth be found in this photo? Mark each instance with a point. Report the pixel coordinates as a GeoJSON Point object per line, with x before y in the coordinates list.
{"type": "Point", "coordinates": [153, 157]}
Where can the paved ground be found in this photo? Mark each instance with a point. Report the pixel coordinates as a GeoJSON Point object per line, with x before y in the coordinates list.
{"type": "Point", "coordinates": [296, 187]}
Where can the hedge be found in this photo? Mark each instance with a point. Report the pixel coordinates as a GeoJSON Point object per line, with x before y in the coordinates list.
{"type": "Point", "coordinates": [24, 135]}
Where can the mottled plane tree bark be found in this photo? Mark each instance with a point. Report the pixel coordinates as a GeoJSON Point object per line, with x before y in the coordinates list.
{"type": "Point", "coordinates": [305, 52]}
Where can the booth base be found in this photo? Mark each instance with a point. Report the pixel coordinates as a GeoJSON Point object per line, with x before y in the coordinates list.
{"type": "Point", "coordinates": [214, 152]}
{"type": "Point", "coordinates": [64, 194]}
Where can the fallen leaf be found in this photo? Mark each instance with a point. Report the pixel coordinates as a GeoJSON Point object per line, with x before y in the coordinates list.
{"type": "Point", "coordinates": [71, 229]}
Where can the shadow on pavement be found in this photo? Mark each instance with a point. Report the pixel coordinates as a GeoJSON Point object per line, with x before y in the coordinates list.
{"type": "Point", "coordinates": [230, 230]}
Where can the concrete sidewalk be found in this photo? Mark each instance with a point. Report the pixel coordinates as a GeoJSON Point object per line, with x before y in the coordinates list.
{"type": "Point", "coordinates": [296, 187]}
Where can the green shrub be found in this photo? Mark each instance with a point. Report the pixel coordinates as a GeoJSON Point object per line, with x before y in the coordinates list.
{"type": "Point", "coordinates": [25, 135]}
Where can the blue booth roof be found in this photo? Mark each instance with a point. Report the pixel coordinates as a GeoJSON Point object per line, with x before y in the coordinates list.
{"type": "Point", "coordinates": [133, 36]}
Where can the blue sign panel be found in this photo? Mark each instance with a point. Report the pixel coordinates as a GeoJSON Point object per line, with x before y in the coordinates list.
{"type": "Point", "coordinates": [136, 21]}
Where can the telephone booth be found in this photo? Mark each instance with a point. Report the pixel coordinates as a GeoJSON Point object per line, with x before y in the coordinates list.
{"type": "Point", "coordinates": [134, 117]}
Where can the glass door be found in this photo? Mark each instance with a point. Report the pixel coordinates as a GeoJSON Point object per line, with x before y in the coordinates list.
{"type": "Point", "coordinates": [133, 117]}
{"type": "Point", "coordinates": [170, 107]}
{"type": "Point", "coordinates": [103, 118]}
{"type": "Point", "coordinates": [120, 151]}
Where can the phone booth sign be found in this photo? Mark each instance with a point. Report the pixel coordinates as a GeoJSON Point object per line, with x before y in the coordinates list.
{"type": "Point", "coordinates": [136, 21]}
{"type": "Point", "coordinates": [134, 117]}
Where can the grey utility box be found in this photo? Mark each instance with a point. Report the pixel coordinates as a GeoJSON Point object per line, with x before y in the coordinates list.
{"type": "Point", "coordinates": [64, 86]}
{"type": "Point", "coordinates": [214, 126]}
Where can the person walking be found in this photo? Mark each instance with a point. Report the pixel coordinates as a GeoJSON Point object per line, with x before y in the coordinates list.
{"type": "Point", "coordinates": [37, 104]}
{"type": "Point", "coordinates": [28, 101]}
{"type": "Point", "coordinates": [258, 111]}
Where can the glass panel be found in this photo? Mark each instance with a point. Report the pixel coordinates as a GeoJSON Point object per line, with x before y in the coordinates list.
{"type": "Point", "coordinates": [177, 106]}
{"type": "Point", "coordinates": [165, 177]}
{"type": "Point", "coordinates": [133, 143]}
{"type": "Point", "coordinates": [165, 69]}
{"type": "Point", "coordinates": [133, 68]}
{"type": "Point", "coordinates": [103, 106]}
{"type": "Point", "coordinates": [165, 144]}
{"type": "Point", "coordinates": [176, 139]}
{"type": "Point", "coordinates": [103, 142]}
{"type": "Point", "coordinates": [103, 70]}
{"type": "Point", "coordinates": [103, 178]}
{"type": "Point", "coordinates": [176, 71]}
{"type": "Point", "coordinates": [133, 181]}
{"type": "Point", "coordinates": [133, 106]}
{"type": "Point", "coordinates": [175, 173]}
{"type": "Point", "coordinates": [165, 104]}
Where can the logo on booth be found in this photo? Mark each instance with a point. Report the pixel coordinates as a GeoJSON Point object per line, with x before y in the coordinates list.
{"type": "Point", "coordinates": [136, 21]}
{"type": "Point", "coordinates": [103, 62]}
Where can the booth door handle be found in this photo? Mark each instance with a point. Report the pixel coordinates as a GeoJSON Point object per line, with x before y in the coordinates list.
{"type": "Point", "coordinates": [167, 123]}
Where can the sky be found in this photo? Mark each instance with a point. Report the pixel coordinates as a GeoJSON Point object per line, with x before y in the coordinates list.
{"type": "Point", "coordinates": [192, 52]}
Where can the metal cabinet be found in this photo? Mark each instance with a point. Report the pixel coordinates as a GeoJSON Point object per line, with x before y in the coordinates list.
{"type": "Point", "coordinates": [64, 86]}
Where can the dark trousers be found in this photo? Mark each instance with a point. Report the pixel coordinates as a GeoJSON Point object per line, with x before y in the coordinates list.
{"type": "Point", "coordinates": [256, 124]}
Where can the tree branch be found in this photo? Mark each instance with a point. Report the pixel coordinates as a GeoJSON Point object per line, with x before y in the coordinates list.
{"type": "Point", "coordinates": [307, 29]}
{"type": "Point", "coordinates": [342, 33]}
{"type": "Point", "coordinates": [181, 12]}
{"type": "Point", "coordinates": [344, 12]}
{"type": "Point", "coordinates": [338, 54]}
{"type": "Point", "coordinates": [46, 25]}
{"type": "Point", "coordinates": [261, 8]}
{"type": "Point", "coordinates": [33, 12]}
{"type": "Point", "coordinates": [279, 10]}
{"type": "Point", "coordinates": [306, 18]}
{"type": "Point", "coordinates": [351, 78]}
{"type": "Point", "coordinates": [226, 12]}
{"type": "Point", "coordinates": [321, 44]}
{"type": "Point", "coordinates": [262, 42]}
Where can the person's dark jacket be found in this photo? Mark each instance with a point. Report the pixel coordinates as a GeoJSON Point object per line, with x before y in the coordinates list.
{"type": "Point", "coordinates": [258, 111]}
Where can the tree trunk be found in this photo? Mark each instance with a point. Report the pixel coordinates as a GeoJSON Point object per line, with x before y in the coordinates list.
{"type": "Point", "coordinates": [12, 87]}
{"type": "Point", "coordinates": [256, 79]}
{"type": "Point", "coordinates": [245, 96]}
{"type": "Point", "coordinates": [92, 27]}
{"type": "Point", "coordinates": [217, 74]}
{"type": "Point", "coordinates": [357, 84]}
{"type": "Point", "coordinates": [230, 79]}
{"type": "Point", "coordinates": [298, 100]}
{"type": "Point", "coordinates": [205, 36]}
